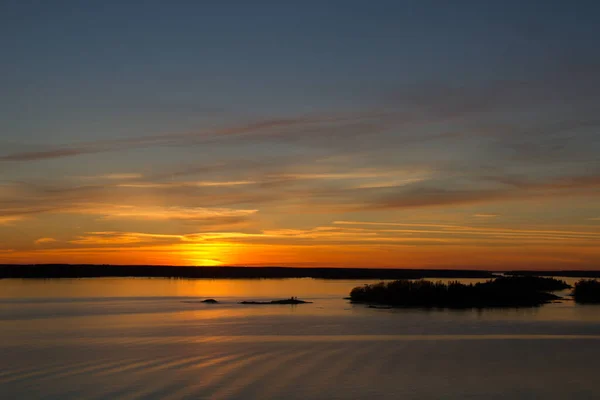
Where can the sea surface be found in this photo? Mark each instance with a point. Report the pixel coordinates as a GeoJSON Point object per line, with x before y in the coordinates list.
{"type": "Point", "coordinates": [135, 338]}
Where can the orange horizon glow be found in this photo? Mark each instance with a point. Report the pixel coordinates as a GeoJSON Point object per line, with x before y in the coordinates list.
{"type": "Point", "coordinates": [472, 239]}
{"type": "Point", "coordinates": [390, 252]}
{"type": "Point", "coordinates": [330, 214]}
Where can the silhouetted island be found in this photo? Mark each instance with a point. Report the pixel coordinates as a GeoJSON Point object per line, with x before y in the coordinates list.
{"type": "Point", "coordinates": [207, 301]}
{"type": "Point", "coordinates": [587, 291]}
{"type": "Point", "coordinates": [291, 300]}
{"type": "Point", "coordinates": [514, 291]}
{"type": "Point", "coordinates": [54, 271]}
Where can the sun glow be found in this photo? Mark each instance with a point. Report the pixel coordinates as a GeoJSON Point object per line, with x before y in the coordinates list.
{"type": "Point", "coordinates": [208, 255]}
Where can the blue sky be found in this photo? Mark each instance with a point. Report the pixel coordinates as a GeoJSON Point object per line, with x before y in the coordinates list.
{"type": "Point", "coordinates": [303, 112]}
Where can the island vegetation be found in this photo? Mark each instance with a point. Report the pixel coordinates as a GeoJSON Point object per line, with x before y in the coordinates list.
{"type": "Point", "coordinates": [587, 291]}
{"type": "Point", "coordinates": [513, 291]}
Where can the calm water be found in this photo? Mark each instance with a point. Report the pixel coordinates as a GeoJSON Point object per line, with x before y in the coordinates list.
{"type": "Point", "coordinates": [139, 338]}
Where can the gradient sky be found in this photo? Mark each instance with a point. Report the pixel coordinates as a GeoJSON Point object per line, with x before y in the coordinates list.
{"type": "Point", "coordinates": [440, 134]}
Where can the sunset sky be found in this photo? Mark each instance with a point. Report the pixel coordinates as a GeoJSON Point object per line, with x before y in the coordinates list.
{"type": "Point", "coordinates": [423, 134]}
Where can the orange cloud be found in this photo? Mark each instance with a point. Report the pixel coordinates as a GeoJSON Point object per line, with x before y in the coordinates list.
{"type": "Point", "coordinates": [113, 238]}
{"type": "Point", "coordinates": [11, 219]}
{"type": "Point", "coordinates": [151, 185]}
{"type": "Point", "coordinates": [113, 211]}
{"type": "Point", "coordinates": [45, 240]}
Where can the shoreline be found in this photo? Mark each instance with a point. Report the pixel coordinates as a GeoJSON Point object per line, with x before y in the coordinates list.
{"type": "Point", "coordinates": [58, 271]}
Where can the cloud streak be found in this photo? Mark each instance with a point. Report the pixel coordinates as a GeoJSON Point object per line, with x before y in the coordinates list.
{"type": "Point", "coordinates": [448, 229]}
{"type": "Point", "coordinates": [261, 129]}
{"type": "Point", "coordinates": [49, 154]}
{"type": "Point", "coordinates": [346, 233]}
{"type": "Point", "coordinates": [161, 213]}
{"type": "Point", "coordinates": [45, 240]}
{"type": "Point", "coordinates": [8, 220]}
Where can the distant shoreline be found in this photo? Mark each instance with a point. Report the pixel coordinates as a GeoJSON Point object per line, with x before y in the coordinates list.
{"type": "Point", "coordinates": [51, 271]}
{"type": "Point", "coordinates": [56, 271]}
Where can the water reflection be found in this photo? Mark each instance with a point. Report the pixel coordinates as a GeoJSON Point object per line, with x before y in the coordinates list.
{"type": "Point", "coordinates": [157, 287]}
{"type": "Point", "coordinates": [136, 338]}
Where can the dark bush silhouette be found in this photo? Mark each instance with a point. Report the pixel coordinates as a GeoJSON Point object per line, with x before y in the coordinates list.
{"type": "Point", "coordinates": [539, 283]}
{"type": "Point", "coordinates": [499, 292]}
{"type": "Point", "coordinates": [587, 291]}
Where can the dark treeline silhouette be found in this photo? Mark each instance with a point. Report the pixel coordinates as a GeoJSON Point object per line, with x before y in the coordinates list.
{"type": "Point", "coordinates": [529, 282]}
{"type": "Point", "coordinates": [50, 271]}
{"type": "Point", "coordinates": [587, 291]}
{"type": "Point", "coordinates": [500, 292]}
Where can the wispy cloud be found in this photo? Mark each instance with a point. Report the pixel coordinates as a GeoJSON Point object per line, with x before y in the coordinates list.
{"type": "Point", "coordinates": [391, 224]}
{"type": "Point", "coordinates": [415, 197]}
{"type": "Point", "coordinates": [114, 176]}
{"type": "Point", "coordinates": [344, 233]}
{"type": "Point", "coordinates": [7, 220]}
{"type": "Point", "coordinates": [45, 240]}
{"type": "Point", "coordinates": [121, 238]}
{"type": "Point", "coordinates": [429, 195]}
{"type": "Point", "coordinates": [388, 183]}
{"type": "Point", "coordinates": [262, 129]}
{"type": "Point", "coordinates": [314, 189]}
{"type": "Point", "coordinates": [160, 213]}
{"type": "Point", "coordinates": [441, 121]}
{"type": "Point", "coordinates": [166, 185]}
{"type": "Point", "coordinates": [357, 178]}
{"type": "Point", "coordinates": [448, 229]}
{"type": "Point", "coordinates": [49, 154]}
{"type": "Point", "coordinates": [485, 215]}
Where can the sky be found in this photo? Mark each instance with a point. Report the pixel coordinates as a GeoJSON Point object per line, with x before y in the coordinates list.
{"type": "Point", "coordinates": [411, 134]}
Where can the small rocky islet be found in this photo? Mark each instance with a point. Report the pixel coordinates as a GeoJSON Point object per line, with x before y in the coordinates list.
{"type": "Point", "coordinates": [291, 300]}
{"type": "Point", "coordinates": [206, 301]}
